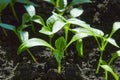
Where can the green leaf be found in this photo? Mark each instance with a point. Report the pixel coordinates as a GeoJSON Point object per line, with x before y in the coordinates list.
{"type": "Point", "coordinates": [78, 22]}
{"type": "Point", "coordinates": [24, 35]}
{"type": "Point", "coordinates": [109, 69]}
{"type": "Point", "coordinates": [38, 19]}
{"type": "Point", "coordinates": [60, 43]}
{"type": "Point", "coordinates": [61, 5]}
{"type": "Point", "coordinates": [58, 55]}
{"type": "Point", "coordinates": [46, 30]}
{"type": "Point", "coordinates": [96, 32]}
{"type": "Point", "coordinates": [30, 9]}
{"type": "Point", "coordinates": [50, 1]}
{"type": "Point", "coordinates": [85, 28]}
{"type": "Point", "coordinates": [79, 47]}
{"type": "Point", "coordinates": [57, 26]}
{"type": "Point", "coordinates": [77, 37]}
{"type": "Point", "coordinates": [75, 12]}
{"type": "Point", "coordinates": [51, 20]}
{"type": "Point", "coordinates": [32, 43]}
{"type": "Point", "coordinates": [3, 4]}
{"type": "Point", "coordinates": [90, 31]}
{"type": "Point", "coordinates": [53, 29]}
{"type": "Point", "coordinates": [75, 2]}
{"type": "Point", "coordinates": [112, 41]}
{"type": "Point", "coordinates": [59, 17]}
{"type": "Point", "coordinates": [8, 26]}
{"type": "Point", "coordinates": [116, 26]}
{"type": "Point", "coordinates": [114, 56]}
{"type": "Point", "coordinates": [25, 18]}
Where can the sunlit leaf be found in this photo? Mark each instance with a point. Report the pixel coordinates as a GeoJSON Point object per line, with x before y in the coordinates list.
{"type": "Point", "coordinates": [57, 26]}
{"type": "Point", "coordinates": [24, 35]}
{"type": "Point", "coordinates": [8, 26]}
{"type": "Point", "coordinates": [51, 20]}
{"type": "Point", "coordinates": [109, 69]}
{"type": "Point", "coordinates": [116, 26]}
{"type": "Point", "coordinates": [75, 12]}
{"type": "Point", "coordinates": [96, 32]}
{"type": "Point", "coordinates": [78, 22]}
{"type": "Point", "coordinates": [30, 9]}
{"type": "Point", "coordinates": [31, 43]}
{"type": "Point", "coordinates": [90, 31]}
{"type": "Point", "coordinates": [53, 29]}
{"type": "Point", "coordinates": [59, 17]}
{"type": "Point", "coordinates": [38, 19]}
{"type": "Point", "coordinates": [112, 41]}
{"type": "Point", "coordinates": [77, 37]}
{"type": "Point", "coordinates": [50, 1]}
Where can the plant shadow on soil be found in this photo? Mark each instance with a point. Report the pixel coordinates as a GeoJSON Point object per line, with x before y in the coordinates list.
{"type": "Point", "coordinates": [22, 67]}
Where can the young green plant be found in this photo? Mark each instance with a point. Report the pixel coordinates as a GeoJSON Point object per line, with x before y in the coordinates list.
{"type": "Point", "coordinates": [102, 42]}
{"type": "Point", "coordinates": [21, 34]}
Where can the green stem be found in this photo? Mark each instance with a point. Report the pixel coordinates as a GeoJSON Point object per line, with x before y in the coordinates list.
{"type": "Point", "coordinates": [4, 31]}
{"type": "Point", "coordinates": [50, 39]}
{"type": "Point", "coordinates": [34, 59]}
{"type": "Point", "coordinates": [106, 75]}
{"type": "Point", "coordinates": [33, 28]}
{"type": "Point", "coordinates": [99, 63]}
{"type": "Point", "coordinates": [57, 3]}
{"type": "Point", "coordinates": [59, 67]}
{"type": "Point", "coordinates": [66, 28]}
{"type": "Point", "coordinates": [13, 10]}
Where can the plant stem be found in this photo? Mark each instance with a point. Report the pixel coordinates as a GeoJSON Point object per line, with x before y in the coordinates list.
{"type": "Point", "coordinates": [99, 63]}
{"type": "Point", "coordinates": [13, 10]}
{"type": "Point", "coordinates": [106, 75]}
{"type": "Point", "coordinates": [4, 31]}
{"type": "Point", "coordinates": [34, 59]}
{"type": "Point", "coordinates": [66, 28]}
{"type": "Point", "coordinates": [50, 39]}
{"type": "Point", "coordinates": [59, 67]}
{"type": "Point", "coordinates": [57, 3]}
{"type": "Point", "coordinates": [33, 28]}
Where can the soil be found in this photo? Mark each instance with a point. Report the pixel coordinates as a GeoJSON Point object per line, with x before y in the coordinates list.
{"type": "Point", "coordinates": [22, 67]}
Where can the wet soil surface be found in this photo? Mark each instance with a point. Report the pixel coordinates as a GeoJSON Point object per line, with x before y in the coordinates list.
{"type": "Point", "coordinates": [22, 67]}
